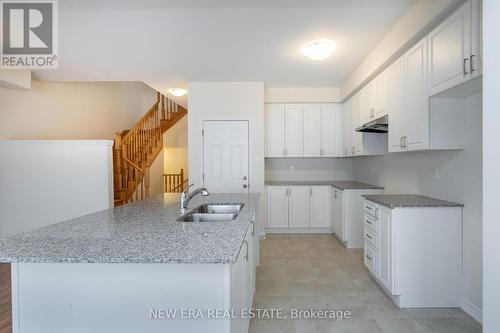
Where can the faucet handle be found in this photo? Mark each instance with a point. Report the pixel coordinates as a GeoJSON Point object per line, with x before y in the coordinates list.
{"type": "Point", "coordinates": [186, 191]}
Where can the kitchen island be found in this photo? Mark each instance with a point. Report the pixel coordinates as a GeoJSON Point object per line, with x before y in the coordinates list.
{"type": "Point", "coordinates": [127, 269]}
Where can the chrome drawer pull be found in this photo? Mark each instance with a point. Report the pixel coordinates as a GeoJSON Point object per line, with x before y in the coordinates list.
{"type": "Point", "coordinates": [368, 257]}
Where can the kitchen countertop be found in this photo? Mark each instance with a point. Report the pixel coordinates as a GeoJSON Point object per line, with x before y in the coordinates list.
{"type": "Point", "coordinates": [144, 231]}
{"type": "Point", "coordinates": [409, 200]}
{"type": "Point", "coordinates": [340, 184]}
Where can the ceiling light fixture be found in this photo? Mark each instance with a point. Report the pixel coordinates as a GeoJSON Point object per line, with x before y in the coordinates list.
{"type": "Point", "coordinates": [177, 92]}
{"type": "Point", "coordinates": [319, 49]}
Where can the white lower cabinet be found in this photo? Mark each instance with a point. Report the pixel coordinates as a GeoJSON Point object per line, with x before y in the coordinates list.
{"type": "Point", "coordinates": [415, 253]}
{"type": "Point", "coordinates": [298, 208]}
{"type": "Point", "coordinates": [347, 215]}
{"type": "Point", "coordinates": [242, 282]}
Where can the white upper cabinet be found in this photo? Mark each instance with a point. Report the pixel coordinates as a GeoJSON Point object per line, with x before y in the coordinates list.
{"type": "Point", "coordinates": [319, 206]}
{"type": "Point", "coordinates": [275, 130]}
{"type": "Point", "coordinates": [455, 49]}
{"type": "Point", "coordinates": [416, 114]}
{"type": "Point", "coordinates": [357, 112]}
{"type": "Point", "coordinates": [293, 131]}
{"type": "Point", "coordinates": [303, 130]}
{"type": "Point", "coordinates": [312, 132]}
{"type": "Point", "coordinates": [347, 132]}
{"type": "Point", "coordinates": [331, 130]}
{"type": "Point", "coordinates": [367, 101]}
{"type": "Point", "coordinates": [380, 109]}
{"type": "Point", "coordinates": [395, 104]}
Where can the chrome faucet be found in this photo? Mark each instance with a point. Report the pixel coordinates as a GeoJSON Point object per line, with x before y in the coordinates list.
{"type": "Point", "coordinates": [186, 196]}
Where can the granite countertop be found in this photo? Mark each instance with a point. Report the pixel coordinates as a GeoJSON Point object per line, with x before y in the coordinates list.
{"type": "Point", "coordinates": [340, 184]}
{"type": "Point", "coordinates": [409, 200]}
{"type": "Point", "coordinates": [141, 232]}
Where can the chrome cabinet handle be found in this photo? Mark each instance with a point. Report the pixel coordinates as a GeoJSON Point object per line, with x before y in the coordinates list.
{"type": "Point", "coordinates": [368, 257]}
{"type": "Point", "coordinates": [246, 255]}
{"type": "Point", "coordinates": [310, 191]}
{"type": "Point", "coordinates": [471, 66]}
{"type": "Point", "coordinates": [464, 67]}
{"type": "Point", "coordinates": [405, 142]}
{"type": "Point", "coordinates": [335, 194]}
{"type": "Point", "coordinates": [401, 142]}
{"type": "Point", "coordinates": [253, 228]}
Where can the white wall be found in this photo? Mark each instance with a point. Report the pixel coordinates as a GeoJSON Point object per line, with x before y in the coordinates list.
{"type": "Point", "coordinates": [156, 182]}
{"type": "Point", "coordinates": [302, 94]}
{"type": "Point", "coordinates": [72, 110]}
{"type": "Point", "coordinates": [175, 142]}
{"type": "Point", "coordinates": [228, 101]}
{"type": "Point", "coordinates": [44, 182]}
{"type": "Point", "coordinates": [419, 19]}
{"type": "Point", "coordinates": [491, 166]}
{"type": "Point", "coordinates": [309, 169]}
{"type": "Point", "coordinates": [460, 179]}
{"type": "Point", "coordinates": [15, 78]}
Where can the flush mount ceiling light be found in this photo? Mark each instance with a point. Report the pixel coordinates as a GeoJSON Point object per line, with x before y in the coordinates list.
{"type": "Point", "coordinates": [178, 92]}
{"type": "Point", "coordinates": [319, 49]}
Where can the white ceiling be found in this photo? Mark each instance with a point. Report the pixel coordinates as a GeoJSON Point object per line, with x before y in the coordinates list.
{"type": "Point", "coordinates": [171, 42]}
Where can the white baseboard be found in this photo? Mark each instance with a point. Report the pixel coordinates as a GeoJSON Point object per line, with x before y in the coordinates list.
{"type": "Point", "coordinates": [472, 310]}
{"type": "Point", "coordinates": [298, 230]}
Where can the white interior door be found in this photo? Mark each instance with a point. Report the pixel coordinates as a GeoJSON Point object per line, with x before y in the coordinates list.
{"type": "Point", "coordinates": [225, 156]}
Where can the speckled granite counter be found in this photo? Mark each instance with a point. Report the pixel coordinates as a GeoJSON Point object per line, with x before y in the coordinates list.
{"type": "Point", "coordinates": [341, 185]}
{"type": "Point", "coordinates": [141, 232]}
{"type": "Point", "coordinates": [409, 200]}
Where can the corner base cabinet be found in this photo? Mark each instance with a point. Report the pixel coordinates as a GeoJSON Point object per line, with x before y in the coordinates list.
{"type": "Point", "coordinates": [415, 253]}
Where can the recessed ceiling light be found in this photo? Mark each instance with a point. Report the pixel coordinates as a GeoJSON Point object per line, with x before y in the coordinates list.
{"type": "Point", "coordinates": [178, 92]}
{"type": "Point", "coordinates": [319, 49]}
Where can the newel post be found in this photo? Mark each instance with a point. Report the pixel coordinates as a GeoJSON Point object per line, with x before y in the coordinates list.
{"type": "Point", "coordinates": [146, 181]}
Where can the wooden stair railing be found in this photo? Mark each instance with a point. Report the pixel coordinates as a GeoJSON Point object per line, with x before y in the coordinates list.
{"type": "Point", "coordinates": [174, 182]}
{"type": "Point", "coordinates": [135, 150]}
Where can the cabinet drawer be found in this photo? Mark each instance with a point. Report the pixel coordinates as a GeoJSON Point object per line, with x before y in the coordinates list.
{"type": "Point", "coordinates": [370, 258]}
{"type": "Point", "coordinates": [371, 222]}
{"type": "Point", "coordinates": [371, 237]}
{"type": "Point", "coordinates": [371, 208]}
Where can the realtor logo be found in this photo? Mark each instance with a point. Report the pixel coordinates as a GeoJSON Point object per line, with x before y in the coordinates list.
{"type": "Point", "coordinates": [29, 34]}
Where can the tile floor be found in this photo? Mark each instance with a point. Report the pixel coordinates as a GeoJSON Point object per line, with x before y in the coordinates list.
{"type": "Point", "coordinates": [315, 271]}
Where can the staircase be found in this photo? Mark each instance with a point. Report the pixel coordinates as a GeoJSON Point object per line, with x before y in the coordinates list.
{"type": "Point", "coordinates": [135, 150]}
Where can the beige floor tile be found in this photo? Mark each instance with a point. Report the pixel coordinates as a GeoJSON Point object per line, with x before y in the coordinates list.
{"type": "Point", "coordinates": [308, 271]}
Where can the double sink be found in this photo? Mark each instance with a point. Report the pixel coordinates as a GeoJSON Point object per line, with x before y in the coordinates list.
{"type": "Point", "coordinates": [213, 212]}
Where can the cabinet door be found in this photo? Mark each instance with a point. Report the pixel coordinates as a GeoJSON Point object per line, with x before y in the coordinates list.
{"type": "Point", "coordinates": [385, 250]}
{"type": "Point", "coordinates": [395, 104]}
{"type": "Point", "coordinates": [312, 130]}
{"type": "Point", "coordinates": [476, 54]}
{"type": "Point", "coordinates": [275, 130]}
{"type": "Point", "coordinates": [416, 117]}
{"type": "Point", "coordinates": [294, 141]}
{"type": "Point", "coordinates": [449, 51]}
{"type": "Point", "coordinates": [277, 207]}
{"type": "Point", "coordinates": [347, 128]}
{"type": "Point", "coordinates": [319, 206]}
{"type": "Point", "coordinates": [380, 96]}
{"type": "Point", "coordinates": [338, 213]}
{"type": "Point", "coordinates": [331, 130]}
{"type": "Point", "coordinates": [357, 137]}
{"type": "Point", "coordinates": [367, 103]}
{"type": "Point", "coordinates": [298, 207]}
{"type": "Point", "coordinates": [237, 294]}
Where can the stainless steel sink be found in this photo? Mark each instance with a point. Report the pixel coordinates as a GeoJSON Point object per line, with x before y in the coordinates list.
{"type": "Point", "coordinates": [213, 212]}
{"type": "Point", "coordinates": [214, 208]}
{"type": "Point", "coordinates": [196, 217]}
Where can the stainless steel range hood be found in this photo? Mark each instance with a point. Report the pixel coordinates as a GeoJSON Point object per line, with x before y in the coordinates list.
{"type": "Point", "coordinates": [379, 125]}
